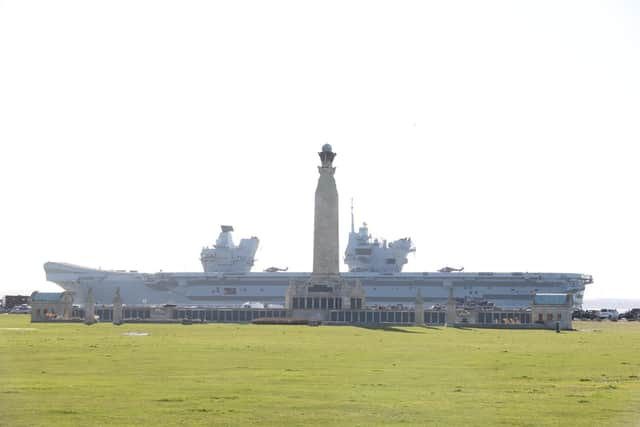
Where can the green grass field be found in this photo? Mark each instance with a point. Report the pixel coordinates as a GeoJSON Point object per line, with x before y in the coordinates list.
{"type": "Point", "coordinates": [72, 374]}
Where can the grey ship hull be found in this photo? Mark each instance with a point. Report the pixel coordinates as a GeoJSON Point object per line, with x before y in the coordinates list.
{"type": "Point", "coordinates": [507, 290]}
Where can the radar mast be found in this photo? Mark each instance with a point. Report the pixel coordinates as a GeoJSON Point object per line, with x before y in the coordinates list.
{"type": "Point", "coordinates": [352, 228]}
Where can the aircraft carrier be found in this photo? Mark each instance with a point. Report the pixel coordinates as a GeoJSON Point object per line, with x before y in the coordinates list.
{"type": "Point", "coordinates": [227, 280]}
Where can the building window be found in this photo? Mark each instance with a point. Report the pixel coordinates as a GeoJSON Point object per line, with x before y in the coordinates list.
{"type": "Point", "coordinates": [549, 316]}
{"type": "Point", "coordinates": [559, 316]}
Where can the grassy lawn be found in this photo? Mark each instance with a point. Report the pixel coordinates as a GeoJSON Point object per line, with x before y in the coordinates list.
{"type": "Point", "coordinates": [72, 374]}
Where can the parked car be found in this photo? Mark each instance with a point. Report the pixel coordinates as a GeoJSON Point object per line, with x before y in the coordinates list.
{"type": "Point", "coordinates": [21, 309]}
{"type": "Point", "coordinates": [608, 313]}
{"type": "Point", "coordinates": [633, 314]}
{"type": "Point", "coordinates": [585, 314]}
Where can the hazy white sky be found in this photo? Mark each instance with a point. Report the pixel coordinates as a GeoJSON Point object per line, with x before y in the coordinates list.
{"type": "Point", "coordinates": [500, 136]}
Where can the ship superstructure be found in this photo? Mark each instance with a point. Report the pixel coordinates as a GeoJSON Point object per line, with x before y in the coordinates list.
{"type": "Point", "coordinates": [364, 254]}
{"type": "Point", "coordinates": [226, 257]}
{"type": "Point", "coordinates": [377, 256]}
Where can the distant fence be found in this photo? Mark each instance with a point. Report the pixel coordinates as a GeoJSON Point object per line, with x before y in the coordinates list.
{"type": "Point", "coordinates": [388, 316]}
{"type": "Point", "coordinates": [396, 316]}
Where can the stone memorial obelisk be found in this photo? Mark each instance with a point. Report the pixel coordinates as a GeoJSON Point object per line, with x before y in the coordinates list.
{"type": "Point", "coordinates": [326, 257]}
{"type": "Point", "coordinates": [326, 290]}
{"type": "Point", "coordinates": [452, 313]}
{"type": "Point", "coordinates": [90, 308]}
{"type": "Point", "coordinates": [117, 308]}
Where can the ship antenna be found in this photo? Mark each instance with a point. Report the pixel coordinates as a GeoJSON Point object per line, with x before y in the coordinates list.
{"type": "Point", "coordinates": [352, 229]}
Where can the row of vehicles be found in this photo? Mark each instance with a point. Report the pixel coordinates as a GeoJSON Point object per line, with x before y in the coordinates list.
{"type": "Point", "coordinates": [607, 314]}
{"type": "Point", "coordinates": [17, 309]}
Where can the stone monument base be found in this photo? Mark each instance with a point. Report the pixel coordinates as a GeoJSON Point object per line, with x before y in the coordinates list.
{"type": "Point", "coordinates": [313, 299]}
